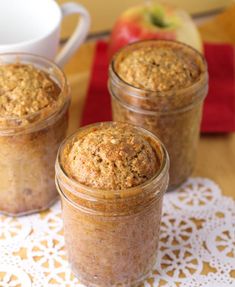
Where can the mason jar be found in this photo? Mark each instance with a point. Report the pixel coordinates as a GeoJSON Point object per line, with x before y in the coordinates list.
{"type": "Point", "coordinates": [112, 236]}
{"type": "Point", "coordinates": [174, 115]}
{"type": "Point", "coordinates": [29, 144]}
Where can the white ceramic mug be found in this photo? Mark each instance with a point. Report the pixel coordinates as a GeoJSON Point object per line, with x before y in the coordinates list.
{"type": "Point", "coordinates": [33, 26]}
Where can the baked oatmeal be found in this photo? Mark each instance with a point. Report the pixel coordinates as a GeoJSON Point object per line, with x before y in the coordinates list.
{"type": "Point", "coordinates": [160, 85]}
{"type": "Point", "coordinates": [33, 108]}
{"type": "Point", "coordinates": [112, 178]}
{"type": "Point", "coordinates": [111, 159]}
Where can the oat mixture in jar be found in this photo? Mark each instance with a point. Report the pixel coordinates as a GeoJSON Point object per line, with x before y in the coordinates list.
{"type": "Point", "coordinates": [34, 101]}
{"type": "Point", "coordinates": [111, 178]}
{"type": "Point", "coordinates": [160, 85]}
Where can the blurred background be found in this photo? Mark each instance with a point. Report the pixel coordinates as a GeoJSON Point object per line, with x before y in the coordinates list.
{"type": "Point", "coordinates": [104, 13]}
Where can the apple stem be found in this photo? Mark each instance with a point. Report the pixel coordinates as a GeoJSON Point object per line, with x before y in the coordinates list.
{"type": "Point", "coordinates": [157, 21]}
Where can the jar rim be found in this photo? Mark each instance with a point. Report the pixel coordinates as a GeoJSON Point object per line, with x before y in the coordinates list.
{"type": "Point", "coordinates": [94, 192]}
{"type": "Point", "coordinates": [28, 58]}
{"type": "Point", "coordinates": [135, 91]}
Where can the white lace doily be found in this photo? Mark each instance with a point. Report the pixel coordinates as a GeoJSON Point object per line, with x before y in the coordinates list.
{"type": "Point", "coordinates": [197, 247]}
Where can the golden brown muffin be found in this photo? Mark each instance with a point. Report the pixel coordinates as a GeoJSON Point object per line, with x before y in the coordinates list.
{"type": "Point", "coordinates": [33, 123]}
{"type": "Point", "coordinates": [160, 85]}
{"type": "Point", "coordinates": [25, 90]}
{"type": "Point", "coordinates": [158, 69]}
{"type": "Point", "coordinates": [111, 158]}
{"type": "Point", "coordinates": [112, 233]}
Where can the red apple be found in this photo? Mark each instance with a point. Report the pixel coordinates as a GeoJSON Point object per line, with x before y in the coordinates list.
{"type": "Point", "coordinates": [154, 21]}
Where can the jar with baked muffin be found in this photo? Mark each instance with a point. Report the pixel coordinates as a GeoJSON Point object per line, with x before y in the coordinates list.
{"type": "Point", "coordinates": [160, 85]}
{"type": "Point", "coordinates": [34, 102]}
{"type": "Point", "coordinates": [111, 178]}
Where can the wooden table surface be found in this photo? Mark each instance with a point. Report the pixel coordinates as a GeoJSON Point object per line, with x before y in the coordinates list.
{"type": "Point", "coordinates": [216, 153]}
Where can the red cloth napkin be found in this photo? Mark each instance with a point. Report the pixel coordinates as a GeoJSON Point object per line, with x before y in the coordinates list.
{"type": "Point", "coordinates": [219, 109]}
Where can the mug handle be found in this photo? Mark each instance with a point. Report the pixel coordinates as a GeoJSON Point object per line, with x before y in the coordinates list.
{"type": "Point", "coordinates": [78, 35]}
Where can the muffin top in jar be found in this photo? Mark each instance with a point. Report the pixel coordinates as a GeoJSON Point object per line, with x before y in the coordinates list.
{"type": "Point", "coordinates": [25, 90]}
{"type": "Point", "coordinates": [158, 65]}
{"type": "Point", "coordinates": [30, 96]}
{"type": "Point", "coordinates": [111, 157]}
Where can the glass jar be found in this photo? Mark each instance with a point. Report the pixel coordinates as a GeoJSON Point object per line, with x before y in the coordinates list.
{"type": "Point", "coordinates": [173, 115]}
{"type": "Point", "coordinates": [28, 147]}
{"type": "Point", "coordinates": [112, 236]}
